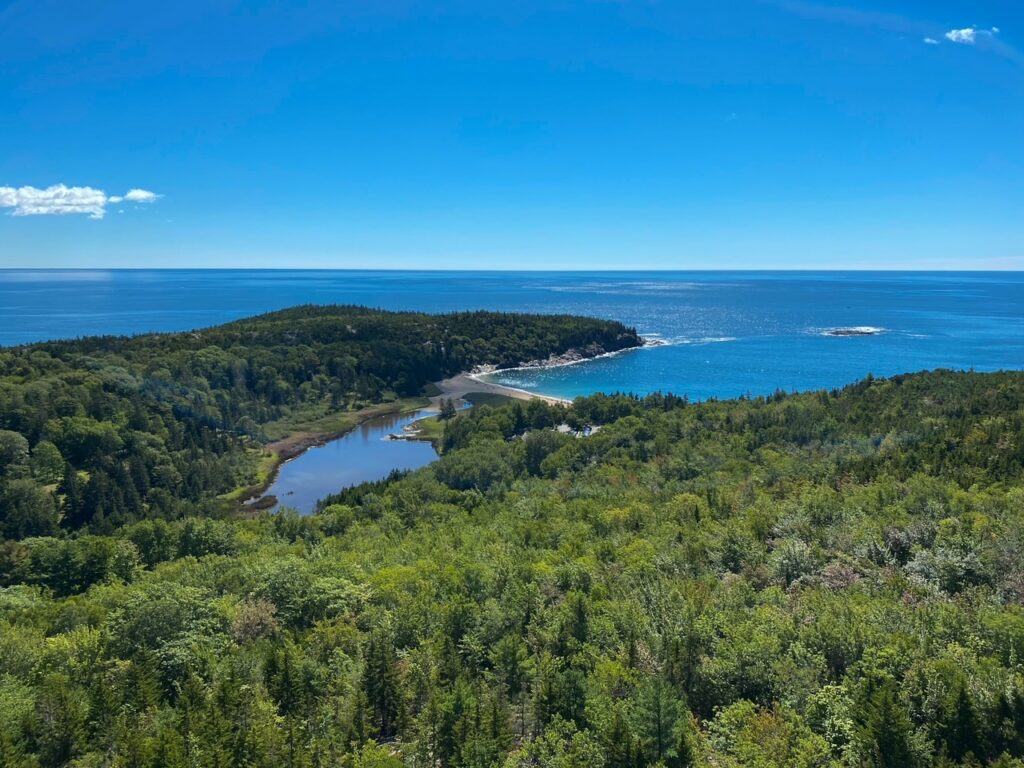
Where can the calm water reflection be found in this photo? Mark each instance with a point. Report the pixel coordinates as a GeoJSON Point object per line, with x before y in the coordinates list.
{"type": "Point", "coordinates": [361, 455]}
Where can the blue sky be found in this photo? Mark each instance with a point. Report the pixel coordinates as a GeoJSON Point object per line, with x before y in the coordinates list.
{"type": "Point", "coordinates": [395, 133]}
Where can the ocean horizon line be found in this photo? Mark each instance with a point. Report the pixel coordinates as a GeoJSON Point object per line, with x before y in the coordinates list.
{"type": "Point", "coordinates": [543, 270]}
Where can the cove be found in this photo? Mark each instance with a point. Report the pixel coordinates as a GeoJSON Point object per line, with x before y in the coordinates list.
{"type": "Point", "coordinates": [362, 455]}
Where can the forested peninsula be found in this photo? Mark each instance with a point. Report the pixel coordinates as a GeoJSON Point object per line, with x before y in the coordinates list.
{"type": "Point", "coordinates": [833, 578]}
{"type": "Point", "coordinates": [102, 431]}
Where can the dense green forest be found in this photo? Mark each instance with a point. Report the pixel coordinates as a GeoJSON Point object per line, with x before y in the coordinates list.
{"type": "Point", "coordinates": [99, 432]}
{"type": "Point", "coordinates": [825, 579]}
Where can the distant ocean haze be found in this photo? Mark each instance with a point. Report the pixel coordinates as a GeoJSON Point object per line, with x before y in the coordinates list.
{"type": "Point", "coordinates": [725, 333]}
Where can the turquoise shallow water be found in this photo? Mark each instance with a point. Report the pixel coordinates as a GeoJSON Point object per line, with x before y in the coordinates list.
{"type": "Point", "coordinates": [728, 333]}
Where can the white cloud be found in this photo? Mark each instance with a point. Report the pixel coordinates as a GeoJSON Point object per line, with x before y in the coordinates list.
{"type": "Point", "coordinates": [988, 39]}
{"type": "Point", "coordinates": [58, 199]}
{"type": "Point", "coordinates": [964, 36]}
{"type": "Point", "coordinates": [61, 199]}
{"type": "Point", "coordinates": [141, 196]}
{"type": "Point", "coordinates": [970, 35]}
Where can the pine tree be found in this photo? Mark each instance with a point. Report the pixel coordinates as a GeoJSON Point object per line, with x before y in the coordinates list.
{"type": "Point", "coordinates": [499, 732]}
{"type": "Point", "coordinates": [382, 686]}
{"type": "Point", "coordinates": [167, 751]}
{"type": "Point", "coordinates": [284, 681]}
{"type": "Point", "coordinates": [658, 713]}
{"type": "Point", "coordinates": [102, 712]}
{"type": "Point", "coordinates": [358, 727]}
{"type": "Point", "coordinates": [681, 656]}
{"type": "Point", "coordinates": [518, 417]}
{"type": "Point", "coordinates": [620, 744]}
{"type": "Point", "coordinates": [133, 747]}
{"type": "Point", "coordinates": [1001, 731]}
{"type": "Point", "coordinates": [686, 749]}
{"type": "Point", "coordinates": [578, 620]}
{"type": "Point", "coordinates": [71, 488]}
{"type": "Point", "coordinates": [191, 711]}
{"type": "Point", "coordinates": [455, 725]}
{"type": "Point", "coordinates": [225, 724]}
{"type": "Point", "coordinates": [60, 718]}
{"type": "Point", "coordinates": [884, 728]}
{"type": "Point", "coordinates": [544, 693]}
{"type": "Point", "coordinates": [962, 731]}
{"type": "Point", "coordinates": [447, 409]}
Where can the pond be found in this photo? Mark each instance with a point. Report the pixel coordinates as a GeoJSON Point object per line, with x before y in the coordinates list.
{"type": "Point", "coordinates": [362, 455]}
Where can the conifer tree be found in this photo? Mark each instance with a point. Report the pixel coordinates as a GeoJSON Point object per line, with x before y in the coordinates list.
{"type": "Point", "coordinates": [657, 715]}
{"type": "Point", "coordinates": [884, 727]}
{"type": "Point", "coordinates": [962, 730]}
{"type": "Point", "coordinates": [621, 750]}
{"type": "Point", "coordinates": [382, 686]}
{"type": "Point", "coordinates": [447, 409]}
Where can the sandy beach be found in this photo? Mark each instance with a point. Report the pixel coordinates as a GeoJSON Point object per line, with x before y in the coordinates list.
{"type": "Point", "coordinates": [457, 387]}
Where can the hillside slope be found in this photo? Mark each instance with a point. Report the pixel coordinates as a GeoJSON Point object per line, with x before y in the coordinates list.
{"type": "Point", "coordinates": [825, 579]}
{"type": "Point", "coordinates": [123, 428]}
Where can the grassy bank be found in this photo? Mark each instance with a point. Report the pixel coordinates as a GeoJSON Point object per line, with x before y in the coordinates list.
{"type": "Point", "coordinates": [314, 426]}
{"type": "Point", "coordinates": [432, 427]}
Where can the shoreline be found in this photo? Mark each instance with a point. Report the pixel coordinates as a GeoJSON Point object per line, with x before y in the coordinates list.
{"type": "Point", "coordinates": [474, 381]}
{"type": "Point", "coordinates": [477, 374]}
{"type": "Point", "coordinates": [457, 387]}
{"type": "Point", "coordinates": [254, 498]}
{"type": "Point", "coordinates": [561, 361]}
{"type": "Point", "coordinates": [293, 446]}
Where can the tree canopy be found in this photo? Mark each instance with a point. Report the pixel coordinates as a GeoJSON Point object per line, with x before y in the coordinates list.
{"type": "Point", "coordinates": [832, 578]}
{"type": "Point", "coordinates": [115, 429]}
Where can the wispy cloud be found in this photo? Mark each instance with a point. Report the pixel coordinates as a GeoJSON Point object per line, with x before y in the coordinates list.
{"type": "Point", "coordinates": [970, 35]}
{"type": "Point", "coordinates": [61, 199]}
{"type": "Point", "coordinates": [929, 33]}
{"type": "Point", "coordinates": [985, 40]}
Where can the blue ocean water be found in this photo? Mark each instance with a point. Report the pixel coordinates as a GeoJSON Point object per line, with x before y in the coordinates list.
{"type": "Point", "coordinates": [727, 333]}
